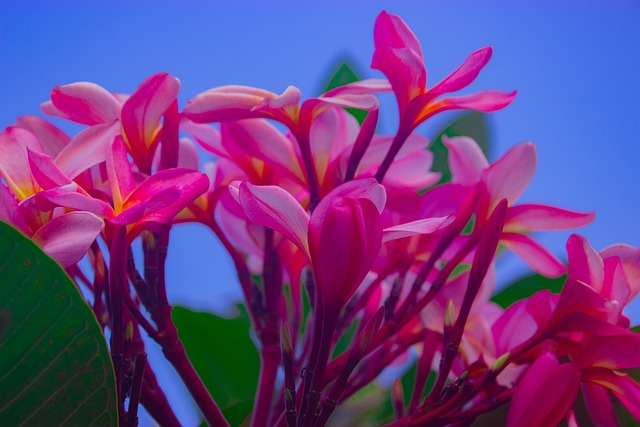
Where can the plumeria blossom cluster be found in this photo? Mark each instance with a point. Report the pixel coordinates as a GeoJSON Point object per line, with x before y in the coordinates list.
{"type": "Point", "coordinates": [329, 212]}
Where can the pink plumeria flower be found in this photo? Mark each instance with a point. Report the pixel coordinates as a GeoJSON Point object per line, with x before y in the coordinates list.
{"type": "Point", "coordinates": [138, 115]}
{"type": "Point", "coordinates": [340, 239]}
{"type": "Point", "coordinates": [399, 56]}
{"type": "Point", "coordinates": [158, 198]}
{"type": "Point", "coordinates": [34, 184]}
{"type": "Point", "coordinates": [507, 178]}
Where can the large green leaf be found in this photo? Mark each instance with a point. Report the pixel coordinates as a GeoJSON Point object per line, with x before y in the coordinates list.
{"type": "Point", "coordinates": [224, 356]}
{"type": "Point", "coordinates": [472, 124]}
{"type": "Point", "coordinates": [55, 368]}
{"type": "Point", "coordinates": [344, 74]}
{"type": "Point", "coordinates": [526, 287]}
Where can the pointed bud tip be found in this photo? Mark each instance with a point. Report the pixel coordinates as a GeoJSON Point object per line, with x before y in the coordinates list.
{"type": "Point", "coordinates": [499, 363]}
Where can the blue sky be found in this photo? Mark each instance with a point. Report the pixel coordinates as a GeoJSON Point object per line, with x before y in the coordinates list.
{"type": "Point", "coordinates": [575, 65]}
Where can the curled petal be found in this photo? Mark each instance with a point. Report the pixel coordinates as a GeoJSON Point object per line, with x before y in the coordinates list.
{"type": "Point", "coordinates": [630, 258]}
{"type": "Point", "coordinates": [83, 102]}
{"type": "Point", "coordinates": [45, 171]}
{"type": "Point", "coordinates": [486, 101]}
{"type": "Point", "coordinates": [399, 56]}
{"type": "Point", "coordinates": [585, 264]}
{"type": "Point", "coordinates": [141, 114]}
{"type": "Point", "coordinates": [68, 237]}
{"type": "Point", "coordinates": [599, 405]}
{"type": "Point", "coordinates": [273, 207]}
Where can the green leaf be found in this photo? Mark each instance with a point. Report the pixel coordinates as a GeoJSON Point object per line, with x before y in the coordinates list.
{"type": "Point", "coordinates": [472, 124]}
{"type": "Point", "coordinates": [55, 368]}
{"type": "Point", "coordinates": [224, 356]}
{"type": "Point", "coordinates": [526, 287]}
{"type": "Point", "coordinates": [344, 74]}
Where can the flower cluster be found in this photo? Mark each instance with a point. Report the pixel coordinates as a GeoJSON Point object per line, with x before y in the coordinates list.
{"type": "Point", "coordinates": [313, 205]}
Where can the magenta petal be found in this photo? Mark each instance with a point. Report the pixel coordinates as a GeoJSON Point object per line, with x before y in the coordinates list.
{"type": "Point", "coordinates": [463, 75]}
{"type": "Point", "coordinates": [630, 258]}
{"type": "Point", "coordinates": [534, 217]}
{"type": "Point", "coordinates": [10, 210]}
{"type": "Point", "coordinates": [421, 226]}
{"type": "Point", "coordinates": [68, 197]}
{"type": "Point", "coordinates": [510, 175]}
{"type": "Point", "coordinates": [14, 164]}
{"type": "Point", "coordinates": [68, 237]}
{"type": "Point", "coordinates": [361, 87]}
{"type": "Point", "coordinates": [534, 254]}
{"type": "Point", "coordinates": [88, 148]}
{"type": "Point", "coordinates": [486, 101]}
{"type": "Point", "coordinates": [119, 173]}
{"type": "Point", "coordinates": [621, 385]}
{"type": "Point", "coordinates": [343, 243]}
{"type": "Point", "coordinates": [85, 103]}
{"type": "Point", "coordinates": [53, 140]}
{"type": "Point", "coordinates": [545, 394]}
{"type": "Point", "coordinates": [226, 103]}
{"type": "Point", "coordinates": [585, 264]}
{"type": "Point", "coordinates": [45, 171]}
{"type": "Point", "coordinates": [273, 207]}
{"type": "Point", "coordinates": [142, 210]}
{"type": "Point", "coordinates": [599, 405]}
{"type": "Point", "coordinates": [466, 160]}
{"type": "Point", "coordinates": [141, 114]}
{"type": "Point", "coordinates": [357, 189]}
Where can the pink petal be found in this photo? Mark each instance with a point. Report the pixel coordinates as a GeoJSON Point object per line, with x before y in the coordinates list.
{"type": "Point", "coordinates": [226, 103]}
{"type": "Point", "coordinates": [534, 254]}
{"type": "Point", "coordinates": [486, 101]}
{"type": "Point", "coordinates": [621, 385]}
{"type": "Point", "coordinates": [88, 148]}
{"type": "Point", "coordinates": [10, 210]}
{"type": "Point", "coordinates": [344, 241]}
{"type": "Point", "coordinates": [361, 87]}
{"type": "Point", "coordinates": [509, 176]}
{"type": "Point", "coordinates": [357, 189]}
{"type": "Point", "coordinates": [599, 405]}
{"type": "Point", "coordinates": [68, 237]}
{"type": "Point", "coordinates": [14, 164]}
{"type": "Point", "coordinates": [85, 103]}
{"type": "Point", "coordinates": [463, 75]}
{"type": "Point", "coordinates": [273, 207]}
{"type": "Point", "coordinates": [466, 160]}
{"type": "Point", "coordinates": [534, 217]}
{"type": "Point", "coordinates": [119, 173]}
{"type": "Point", "coordinates": [585, 264]}
{"type": "Point", "coordinates": [630, 259]}
{"type": "Point", "coordinates": [141, 210]}
{"type": "Point", "coordinates": [68, 197]}
{"type": "Point", "coordinates": [45, 171]}
{"type": "Point", "coordinates": [421, 226]}
{"type": "Point", "coordinates": [405, 70]}
{"type": "Point", "coordinates": [207, 136]}
{"type": "Point", "coordinates": [618, 350]}
{"type": "Point", "coordinates": [141, 114]}
{"type": "Point", "coordinates": [545, 394]}
{"type": "Point", "coordinates": [53, 140]}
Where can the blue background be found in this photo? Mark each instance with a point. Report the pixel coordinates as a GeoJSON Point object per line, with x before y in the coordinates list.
{"type": "Point", "coordinates": [575, 64]}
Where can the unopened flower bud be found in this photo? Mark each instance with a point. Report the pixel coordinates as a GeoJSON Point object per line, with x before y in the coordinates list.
{"type": "Point", "coordinates": [499, 363]}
